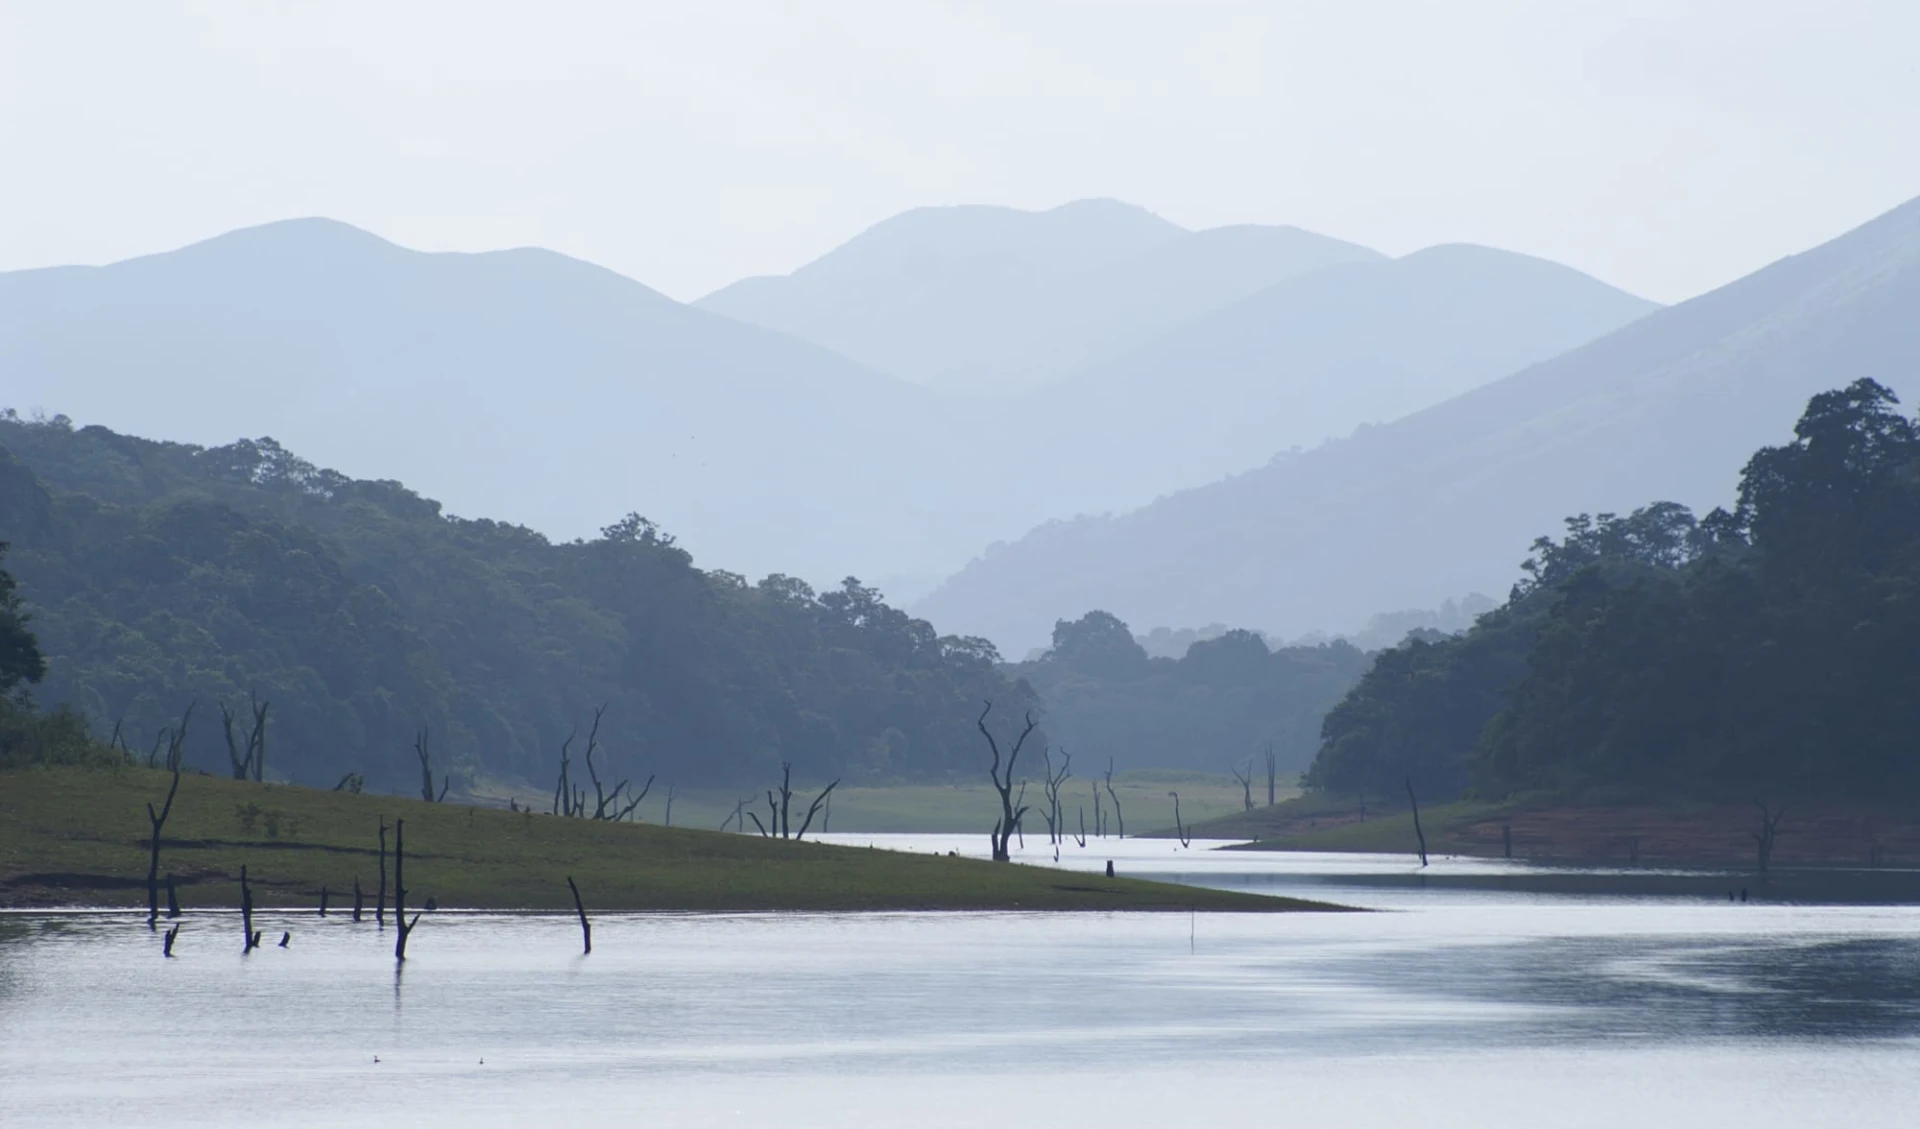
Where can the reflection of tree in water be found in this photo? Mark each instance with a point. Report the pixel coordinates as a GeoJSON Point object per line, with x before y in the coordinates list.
{"type": "Point", "coordinates": [1669, 988]}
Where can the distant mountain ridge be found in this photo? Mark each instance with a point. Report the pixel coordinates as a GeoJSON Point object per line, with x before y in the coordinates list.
{"type": "Point", "coordinates": [1310, 358]}
{"type": "Point", "coordinates": [520, 384]}
{"type": "Point", "coordinates": [1447, 499]}
{"type": "Point", "coordinates": [996, 300]}
{"type": "Point", "coordinates": [544, 390]}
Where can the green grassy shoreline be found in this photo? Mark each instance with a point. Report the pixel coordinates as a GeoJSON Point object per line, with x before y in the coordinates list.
{"type": "Point", "coordinates": [71, 837]}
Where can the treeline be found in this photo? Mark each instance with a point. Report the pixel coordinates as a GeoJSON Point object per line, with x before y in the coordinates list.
{"type": "Point", "coordinates": [1764, 653]}
{"type": "Point", "coordinates": [1227, 701]}
{"type": "Point", "coordinates": [160, 574]}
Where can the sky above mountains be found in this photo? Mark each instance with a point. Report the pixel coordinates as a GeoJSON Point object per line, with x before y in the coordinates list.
{"type": "Point", "coordinates": [1665, 148]}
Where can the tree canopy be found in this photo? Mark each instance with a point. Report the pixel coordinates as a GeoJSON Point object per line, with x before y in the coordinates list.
{"type": "Point", "coordinates": [161, 574]}
{"type": "Point", "coordinates": [1227, 699]}
{"type": "Point", "coordinates": [1764, 652]}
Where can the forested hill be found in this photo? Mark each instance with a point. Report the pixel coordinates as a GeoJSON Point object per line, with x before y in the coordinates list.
{"type": "Point", "coordinates": [1769, 653]}
{"type": "Point", "coordinates": [161, 574]}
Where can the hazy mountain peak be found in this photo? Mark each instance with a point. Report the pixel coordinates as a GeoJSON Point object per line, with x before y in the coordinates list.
{"type": "Point", "coordinates": [977, 298]}
{"type": "Point", "coordinates": [1447, 499]}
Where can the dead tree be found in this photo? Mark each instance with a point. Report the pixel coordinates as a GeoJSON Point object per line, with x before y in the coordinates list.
{"type": "Point", "coordinates": [352, 782]}
{"type": "Point", "coordinates": [1180, 829]}
{"type": "Point", "coordinates": [421, 747]}
{"type": "Point", "coordinates": [380, 901]}
{"type": "Point", "coordinates": [1120, 817]}
{"type": "Point", "coordinates": [814, 807]}
{"type": "Point", "coordinates": [563, 792]}
{"type": "Point", "coordinates": [1763, 838]}
{"type": "Point", "coordinates": [1082, 837]}
{"type": "Point", "coordinates": [778, 813]}
{"type": "Point", "coordinates": [402, 927]}
{"type": "Point", "coordinates": [166, 944]}
{"type": "Point", "coordinates": [173, 899]}
{"type": "Point", "coordinates": [1056, 829]}
{"type": "Point", "coordinates": [1273, 775]}
{"type": "Point", "coordinates": [246, 912]}
{"type": "Point", "coordinates": [1246, 783]}
{"type": "Point", "coordinates": [607, 805]}
{"type": "Point", "coordinates": [1009, 822]}
{"type": "Point", "coordinates": [669, 816]}
{"type": "Point", "coordinates": [251, 764]}
{"type": "Point", "coordinates": [323, 901]}
{"type": "Point", "coordinates": [1020, 822]}
{"type": "Point", "coordinates": [359, 899]}
{"type": "Point", "coordinates": [586, 930]}
{"type": "Point", "coordinates": [1415, 804]}
{"type": "Point", "coordinates": [737, 818]}
{"type": "Point", "coordinates": [1099, 817]}
{"type": "Point", "coordinates": [159, 821]}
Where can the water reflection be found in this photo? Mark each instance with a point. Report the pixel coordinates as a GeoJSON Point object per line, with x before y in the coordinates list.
{"type": "Point", "coordinates": [1462, 1007]}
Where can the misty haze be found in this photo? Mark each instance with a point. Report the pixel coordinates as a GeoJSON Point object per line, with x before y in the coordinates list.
{"type": "Point", "coordinates": [896, 564]}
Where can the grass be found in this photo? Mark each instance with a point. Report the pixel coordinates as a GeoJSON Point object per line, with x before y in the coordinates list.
{"type": "Point", "coordinates": [957, 808]}
{"type": "Point", "coordinates": [72, 836]}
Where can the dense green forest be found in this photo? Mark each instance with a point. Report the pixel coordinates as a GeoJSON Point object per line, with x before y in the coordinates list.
{"type": "Point", "coordinates": [160, 575]}
{"type": "Point", "coordinates": [1227, 700]}
{"type": "Point", "coordinates": [1763, 653]}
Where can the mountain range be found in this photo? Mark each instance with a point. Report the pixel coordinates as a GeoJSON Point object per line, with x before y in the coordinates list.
{"type": "Point", "coordinates": [534, 388]}
{"type": "Point", "coordinates": [1447, 499]}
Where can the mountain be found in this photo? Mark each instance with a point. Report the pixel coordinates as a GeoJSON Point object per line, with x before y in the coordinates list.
{"type": "Point", "coordinates": [550, 392]}
{"type": "Point", "coordinates": [1447, 499]}
{"type": "Point", "coordinates": [521, 384]}
{"type": "Point", "coordinates": [996, 300]}
{"type": "Point", "coordinates": [1315, 356]}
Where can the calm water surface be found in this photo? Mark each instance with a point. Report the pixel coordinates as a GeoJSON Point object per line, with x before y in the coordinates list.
{"type": "Point", "coordinates": [1468, 1002]}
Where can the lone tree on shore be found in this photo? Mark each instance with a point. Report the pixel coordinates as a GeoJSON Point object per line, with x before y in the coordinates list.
{"type": "Point", "coordinates": [424, 750]}
{"type": "Point", "coordinates": [780, 808]}
{"type": "Point", "coordinates": [1009, 822]}
{"type": "Point", "coordinates": [251, 764]}
{"type": "Point", "coordinates": [1246, 782]}
{"type": "Point", "coordinates": [1056, 830]}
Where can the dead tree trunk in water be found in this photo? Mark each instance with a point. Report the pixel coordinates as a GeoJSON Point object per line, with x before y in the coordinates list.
{"type": "Point", "coordinates": [1082, 840]}
{"type": "Point", "coordinates": [402, 926]}
{"type": "Point", "coordinates": [1416, 821]}
{"type": "Point", "coordinates": [1273, 774]}
{"type": "Point", "coordinates": [1119, 817]}
{"type": "Point", "coordinates": [246, 912]}
{"type": "Point", "coordinates": [1245, 780]}
{"type": "Point", "coordinates": [358, 899]}
{"type": "Point", "coordinates": [1179, 828]}
{"type": "Point", "coordinates": [166, 944]}
{"type": "Point", "coordinates": [159, 821]}
{"type": "Point", "coordinates": [586, 930]}
{"type": "Point", "coordinates": [173, 899]}
{"type": "Point", "coordinates": [323, 901]}
{"type": "Point", "coordinates": [1009, 821]}
{"type": "Point", "coordinates": [380, 900]}
{"type": "Point", "coordinates": [1099, 816]}
{"type": "Point", "coordinates": [1763, 838]}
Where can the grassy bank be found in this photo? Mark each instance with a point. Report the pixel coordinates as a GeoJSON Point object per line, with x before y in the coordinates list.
{"type": "Point", "coordinates": [955, 808]}
{"type": "Point", "coordinates": [79, 837]}
{"type": "Point", "coordinates": [1550, 831]}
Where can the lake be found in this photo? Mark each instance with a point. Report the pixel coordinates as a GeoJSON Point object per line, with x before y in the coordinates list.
{"type": "Point", "coordinates": [1476, 997]}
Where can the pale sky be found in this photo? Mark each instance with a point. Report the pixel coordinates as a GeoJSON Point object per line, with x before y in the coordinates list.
{"type": "Point", "coordinates": [1666, 146]}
